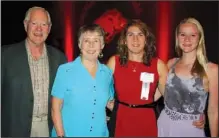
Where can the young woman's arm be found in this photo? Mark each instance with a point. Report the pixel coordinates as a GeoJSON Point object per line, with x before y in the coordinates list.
{"type": "Point", "coordinates": [163, 72]}
{"type": "Point", "coordinates": [213, 99]}
{"type": "Point", "coordinates": [111, 63]}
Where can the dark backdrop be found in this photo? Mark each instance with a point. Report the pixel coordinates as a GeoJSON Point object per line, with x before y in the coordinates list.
{"type": "Point", "coordinates": [13, 13]}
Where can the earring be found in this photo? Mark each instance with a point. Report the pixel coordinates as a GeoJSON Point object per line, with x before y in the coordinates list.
{"type": "Point", "coordinates": [100, 55]}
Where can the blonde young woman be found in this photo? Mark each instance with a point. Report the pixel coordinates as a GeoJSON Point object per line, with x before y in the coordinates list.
{"type": "Point", "coordinates": [191, 79]}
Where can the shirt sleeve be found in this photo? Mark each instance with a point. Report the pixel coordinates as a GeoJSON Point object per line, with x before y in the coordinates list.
{"type": "Point", "coordinates": [111, 89]}
{"type": "Point", "coordinates": [58, 89]}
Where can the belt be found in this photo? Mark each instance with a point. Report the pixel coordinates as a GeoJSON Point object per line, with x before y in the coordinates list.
{"type": "Point", "coordinates": [151, 105]}
{"type": "Point", "coordinates": [39, 119]}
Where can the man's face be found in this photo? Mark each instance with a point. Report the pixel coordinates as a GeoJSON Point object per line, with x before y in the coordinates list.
{"type": "Point", "coordinates": [37, 27]}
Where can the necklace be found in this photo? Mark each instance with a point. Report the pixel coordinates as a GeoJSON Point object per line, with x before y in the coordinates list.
{"type": "Point", "coordinates": [134, 67]}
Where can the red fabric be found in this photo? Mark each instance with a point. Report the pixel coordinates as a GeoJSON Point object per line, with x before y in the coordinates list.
{"type": "Point", "coordinates": [134, 121]}
{"type": "Point", "coordinates": [113, 22]}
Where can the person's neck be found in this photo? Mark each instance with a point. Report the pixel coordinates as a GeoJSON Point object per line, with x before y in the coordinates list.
{"type": "Point", "coordinates": [89, 64]}
{"type": "Point", "coordinates": [35, 50]}
{"type": "Point", "coordinates": [136, 57]}
{"type": "Point", "coordinates": [188, 58]}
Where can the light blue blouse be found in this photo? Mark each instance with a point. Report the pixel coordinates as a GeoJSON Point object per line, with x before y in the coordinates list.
{"type": "Point", "coordinates": [84, 99]}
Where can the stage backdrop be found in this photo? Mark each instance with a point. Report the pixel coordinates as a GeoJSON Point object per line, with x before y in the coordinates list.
{"type": "Point", "coordinates": [67, 17]}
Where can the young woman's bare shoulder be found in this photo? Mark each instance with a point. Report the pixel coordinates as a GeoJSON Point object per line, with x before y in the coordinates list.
{"type": "Point", "coordinates": [212, 68]}
{"type": "Point", "coordinates": [111, 63]}
{"type": "Point", "coordinates": [171, 62]}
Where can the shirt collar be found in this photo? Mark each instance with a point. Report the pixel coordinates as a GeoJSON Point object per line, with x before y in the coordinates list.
{"type": "Point", "coordinates": [100, 66]}
{"type": "Point", "coordinates": [44, 50]}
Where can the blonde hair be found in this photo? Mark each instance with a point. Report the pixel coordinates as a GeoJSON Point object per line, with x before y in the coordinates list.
{"type": "Point", "coordinates": [27, 15]}
{"type": "Point", "coordinates": [200, 64]}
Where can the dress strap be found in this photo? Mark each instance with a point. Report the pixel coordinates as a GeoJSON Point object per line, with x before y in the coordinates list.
{"type": "Point", "coordinates": [172, 68]}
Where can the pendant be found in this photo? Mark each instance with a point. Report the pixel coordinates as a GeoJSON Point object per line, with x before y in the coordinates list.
{"type": "Point", "coordinates": [133, 67]}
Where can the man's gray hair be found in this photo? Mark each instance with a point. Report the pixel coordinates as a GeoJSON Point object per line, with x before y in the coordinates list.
{"type": "Point", "coordinates": [27, 15]}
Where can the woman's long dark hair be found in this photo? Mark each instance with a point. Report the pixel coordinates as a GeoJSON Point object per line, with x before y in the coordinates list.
{"type": "Point", "coordinates": [149, 49]}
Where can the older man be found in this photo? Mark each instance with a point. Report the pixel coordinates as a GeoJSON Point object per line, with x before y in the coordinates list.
{"type": "Point", "coordinates": [28, 72]}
